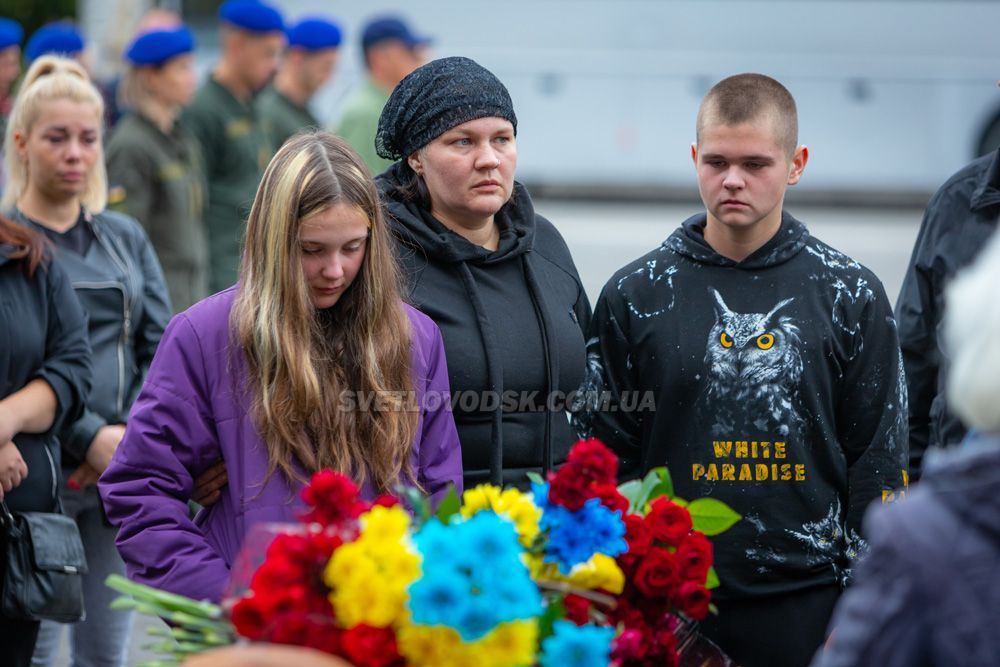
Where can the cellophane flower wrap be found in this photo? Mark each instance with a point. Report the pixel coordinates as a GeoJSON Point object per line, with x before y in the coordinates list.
{"type": "Point", "coordinates": [576, 572]}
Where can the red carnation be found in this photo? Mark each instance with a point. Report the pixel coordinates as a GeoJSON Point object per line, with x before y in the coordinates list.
{"type": "Point", "coordinates": [333, 498]}
{"type": "Point", "coordinates": [568, 489]}
{"type": "Point", "coordinates": [629, 645]}
{"type": "Point", "coordinates": [367, 646]}
{"type": "Point", "coordinates": [594, 461]}
{"type": "Point", "coordinates": [637, 534]}
{"type": "Point", "coordinates": [693, 599]}
{"type": "Point", "coordinates": [694, 557]}
{"type": "Point", "coordinates": [657, 574]}
{"type": "Point", "coordinates": [248, 618]}
{"type": "Point", "coordinates": [610, 497]}
{"type": "Point", "coordinates": [668, 521]}
{"type": "Point", "coordinates": [577, 609]}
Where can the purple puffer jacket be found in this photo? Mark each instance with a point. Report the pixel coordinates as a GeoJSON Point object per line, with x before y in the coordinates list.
{"type": "Point", "coordinates": [189, 414]}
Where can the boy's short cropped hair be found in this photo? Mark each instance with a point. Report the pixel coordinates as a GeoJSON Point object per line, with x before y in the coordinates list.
{"type": "Point", "coordinates": [746, 97]}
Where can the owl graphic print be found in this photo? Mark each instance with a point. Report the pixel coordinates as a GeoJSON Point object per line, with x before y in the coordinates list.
{"type": "Point", "coordinates": [754, 367]}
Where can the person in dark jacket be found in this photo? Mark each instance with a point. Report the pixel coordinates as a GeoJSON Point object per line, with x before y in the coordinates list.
{"type": "Point", "coordinates": [958, 220]}
{"type": "Point", "coordinates": [44, 380]}
{"type": "Point", "coordinates": [224, 120]}
{"type": "Point", "coordinates": [774, 366]}
{"type": "Point", "coordinates": [495, 276]}
{"type": "Point", "coordinates": [57, 184]}
{"type": "Point", "coordinates": [155, 168]}
{"type": "Point", "coordinates": [928, 592]}
{"type": "Point", "coordinates": [313, 50]}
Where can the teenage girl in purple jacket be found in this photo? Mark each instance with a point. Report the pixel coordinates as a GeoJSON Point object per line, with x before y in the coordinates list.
{"type": "Point", "coordinates": [311, 361]}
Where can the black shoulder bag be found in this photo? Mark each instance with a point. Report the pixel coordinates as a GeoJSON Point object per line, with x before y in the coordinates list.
{"type": "Point", "coordinates": [42, 576]}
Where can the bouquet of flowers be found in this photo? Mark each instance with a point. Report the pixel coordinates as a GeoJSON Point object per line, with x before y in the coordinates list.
{"type": "Point", "coordinates": [577, 572]}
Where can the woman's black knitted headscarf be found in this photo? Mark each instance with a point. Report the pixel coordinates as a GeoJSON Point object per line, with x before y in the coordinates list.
{"type": "Point", "coordinates": [435, 98]}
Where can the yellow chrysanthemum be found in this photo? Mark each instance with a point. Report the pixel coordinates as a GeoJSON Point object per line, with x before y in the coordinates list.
{"type": "Point", "coordinates": [510, 644]}
{"type": "Point", "coordinates": [517, 507]}
{"type": "Point", "coordinates": [601, 571]}
{"type": "Point", "coordinates": [384, 524]}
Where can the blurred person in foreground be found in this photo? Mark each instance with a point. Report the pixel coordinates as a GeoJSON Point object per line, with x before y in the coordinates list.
{"type": "Point", "coordinates": [224, 120]}
{"type": "Point", "coordinates": [44, 380]}
{"type": "Point", "coordinates": [775, 367]}
{"type": "Point", "coordinates": [154, 163]}
{"type": "Point", "coordinates": [928, 591]}
{"type": "Point", "coordinates": [58, 188]}
{"type": "Point", "coordinates": [959, 219]}
{"type": "Point", "coordinates": [496, 276]}
{"type": "Point", "coordinates": [276, 375]}
{"type": "Point", "coordinates": [391, 51]}
{"type": "Point", "coordinates": [60, 38]}
{"type": "Point", "coordinates": [312, 53]}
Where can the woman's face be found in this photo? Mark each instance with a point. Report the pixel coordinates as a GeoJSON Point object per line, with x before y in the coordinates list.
{"type": "Point", "coordinates": [62, 149]}
{"type": "Point", "coordinates": [469, 170]}
{"type": "Point", "coordinates": [333, 244]}
{"type": "Point", "coordinates": [174, 81]}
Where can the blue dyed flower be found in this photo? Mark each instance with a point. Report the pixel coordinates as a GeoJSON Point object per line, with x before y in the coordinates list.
{"type": "Point", "coordinates": [577, 646]}
{"type": "Point", "coordinates": [574, 537]}
{"type": "Point", "coordinates": [438, 597]}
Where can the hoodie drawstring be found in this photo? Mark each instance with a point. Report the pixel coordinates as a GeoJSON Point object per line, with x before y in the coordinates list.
{"type": "Point", "coordinates": [494, 371]}
{"type": "Point", "coordinates": [551, 355]}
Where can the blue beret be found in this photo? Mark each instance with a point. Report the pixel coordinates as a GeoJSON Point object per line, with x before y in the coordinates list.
{"type": "Point", "coordinates": [11, 33]}
{"type": "Point", "coordinates": [385, 28]}
{"type": "Point", "coordinates": [58, 38]}
{"type": "Point", "coordinates": [314, 34]}
{"type": "Point", "coordinates": [158, 46]}
{"type": "Point", "coordinates": [252, 15]}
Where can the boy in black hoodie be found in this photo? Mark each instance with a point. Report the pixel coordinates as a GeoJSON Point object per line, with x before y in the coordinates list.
{"type": "Point", "coordinates": [775, 364]}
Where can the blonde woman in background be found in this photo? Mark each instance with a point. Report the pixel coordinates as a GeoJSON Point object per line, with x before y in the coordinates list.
{"type": "Point", "coordinates": [57, 186]}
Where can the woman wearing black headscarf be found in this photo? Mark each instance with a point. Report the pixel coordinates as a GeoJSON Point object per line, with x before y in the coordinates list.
{"type": "Point", "coordinates": [495, 276]}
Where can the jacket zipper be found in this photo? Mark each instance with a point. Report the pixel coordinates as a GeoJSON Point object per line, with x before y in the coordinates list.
{"type": "Point", "coordinates": [123, 339]}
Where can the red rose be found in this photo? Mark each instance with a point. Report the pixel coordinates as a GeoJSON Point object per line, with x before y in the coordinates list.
{"type": "Point", "coordinates": [694, 557]}
{"type": "Point", "coordinates": [637, 534]}
{"type": "Point", "coordinates": [657, 574]}
{"type": "Point", "coordinates": [594, 461]}
{"type": "Point", "coordinates": [668, 521]}
{"type": "Point", "coordinates": [664, 648]}
{"type": "Point", "coordinates": [610, 497]}
{"type": "Point", "coordinates": [693, 599]}
{"type": "Point", "coordinates": [367, 646]}
{"type": "Point", "coordinates": [577, 609]}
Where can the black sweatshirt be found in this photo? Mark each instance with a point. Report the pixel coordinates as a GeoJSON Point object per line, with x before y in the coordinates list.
{"type": "Point", "coordinates": [513, 323]}
{"type": "Point", "coordinates": [778, 389]}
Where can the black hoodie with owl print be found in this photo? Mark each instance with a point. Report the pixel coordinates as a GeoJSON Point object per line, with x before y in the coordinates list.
{"type": "Point", "coordinates": [778, 389]}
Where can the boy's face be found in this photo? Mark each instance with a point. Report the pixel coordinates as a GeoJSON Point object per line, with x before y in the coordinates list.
{"type": "Point", "coordinates": [743, 172]}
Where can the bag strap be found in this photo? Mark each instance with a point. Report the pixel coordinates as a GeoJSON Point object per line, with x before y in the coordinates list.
{"type": "Point", "coordinates": [6, 518]}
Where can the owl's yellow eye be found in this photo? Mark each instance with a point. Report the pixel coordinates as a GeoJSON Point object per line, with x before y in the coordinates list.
{"type": "Point", "coordinates": [765, 341]}
{"type": "Point", "coordinates": [725, 340]}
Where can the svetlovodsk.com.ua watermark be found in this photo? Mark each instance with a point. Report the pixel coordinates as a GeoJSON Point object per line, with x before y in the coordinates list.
{"type": "Point", "coordinates": [508, 401]}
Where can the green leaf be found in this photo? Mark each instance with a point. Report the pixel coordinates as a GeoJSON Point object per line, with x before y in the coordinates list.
{"type": "Point", "coordinates": [631, 492]}
{"type": "Point", "coordinates": [713, 609]}
{"type": "Point", "coordinates": [536, 478]}
{"type": "Point", "coordinates": [712, 516]}
{"type": "Point", "coordinates": [712, 580]}
{"type": "Point", "coordinates": [418, 503]}
{"type": "Point", "coordinates": [450, 506]}
{"type": "Point", "coordinates": [664, 487]}
{"type": "Point", "coordinates": [554, 611]}
{"type": "Point", "coordinates": [679, 501]}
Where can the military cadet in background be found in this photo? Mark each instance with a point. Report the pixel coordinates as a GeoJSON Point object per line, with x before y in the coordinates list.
{"type": "Point", "coordinates": [155, 165]}
{"type": "Point", "coordinates": [308, 64]}
{"type": "Point", "coordinates": [59, 39]}
{"type": "Point", "coordinates": [391, 51]}
{"type": "Point", "coordinates": [223, 119]}
{"type": "Point", "coordinates": [11, 35]}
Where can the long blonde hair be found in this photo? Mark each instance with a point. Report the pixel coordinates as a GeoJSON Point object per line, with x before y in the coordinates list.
{"type": "Point", "coordinates": [302, 361]}
{"type": "Point", "coordinates": [52, 78]}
